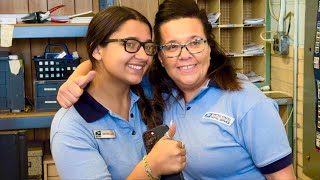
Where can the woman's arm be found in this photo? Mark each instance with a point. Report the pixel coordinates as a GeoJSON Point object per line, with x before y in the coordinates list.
{"type": "Point", "coordinates": [266, 136]}
{"type": "Point", "coordinates": [83, 69]}
{"type": "Point", "coordinates": [72, 89]}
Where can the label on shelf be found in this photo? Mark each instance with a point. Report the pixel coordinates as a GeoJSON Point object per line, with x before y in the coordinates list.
{"type": "Point", "coordinates": [6, 35]}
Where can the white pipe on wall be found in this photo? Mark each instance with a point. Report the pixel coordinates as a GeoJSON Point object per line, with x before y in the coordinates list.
{"type": "Point", "coordinates": [295, 81]}
{"type": "Point", "coordinates": [282, 16]}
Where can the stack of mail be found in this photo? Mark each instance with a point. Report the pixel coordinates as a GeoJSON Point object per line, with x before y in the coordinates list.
{"type": "Point", "coordinates": [254, 77]}
{"type": "Point", "coordinates": [213, 18]}
{"type": "Point", "coordinates": [242, 76]}
{"type": "Point", "coordinates": [253, 49]}
{"type": "Point", "coordinates": [254, 21]}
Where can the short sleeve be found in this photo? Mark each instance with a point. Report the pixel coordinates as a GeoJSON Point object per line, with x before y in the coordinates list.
{"type": "Point", "coordinates": [264, 134]}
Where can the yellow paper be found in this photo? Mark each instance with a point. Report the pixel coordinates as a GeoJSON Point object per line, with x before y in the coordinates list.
{"type": "Point", "coordinates": [6, 35]}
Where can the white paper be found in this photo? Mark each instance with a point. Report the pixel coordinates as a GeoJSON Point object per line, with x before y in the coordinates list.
{"type": "Point", "coordinates": [14, 66]}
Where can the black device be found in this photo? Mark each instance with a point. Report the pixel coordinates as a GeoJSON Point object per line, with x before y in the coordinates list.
{"type": "Point", "coordinates": [150, 138]}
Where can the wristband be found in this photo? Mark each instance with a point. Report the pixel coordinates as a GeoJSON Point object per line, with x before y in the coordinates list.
{"type": "Point", "coordinates": [148, 170]}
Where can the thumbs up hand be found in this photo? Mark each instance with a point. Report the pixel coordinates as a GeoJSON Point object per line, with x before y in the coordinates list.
{"type": "Point", "coordinates": [83, 81]}
{"type": "Point", "coordinates": [70, 91]}
{"type": "Point", "coordinates": [168, 156]}
{"type": "Point", "coordinates": [172, 130]}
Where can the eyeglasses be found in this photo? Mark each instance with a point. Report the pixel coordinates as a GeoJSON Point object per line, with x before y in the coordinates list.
{"type": "Point", "coordinates": [172, 50]}
{"type": "Point", "coordinates": [133, 46]}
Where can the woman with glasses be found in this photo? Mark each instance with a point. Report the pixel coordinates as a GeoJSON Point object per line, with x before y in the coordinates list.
{"type": "Point", "coordinates": [100, 136]}
{"type": "Point", "coordinates": [231, 130]}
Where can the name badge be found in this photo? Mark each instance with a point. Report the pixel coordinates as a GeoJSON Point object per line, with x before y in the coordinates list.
{"type": "Point", "coordinates": [104, 134]}
{"type": "Point", "coordinates": [222, 118]}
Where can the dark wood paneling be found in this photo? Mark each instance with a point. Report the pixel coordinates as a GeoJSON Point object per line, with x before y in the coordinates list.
{"type": "Point", "coordinates": [14, 6]}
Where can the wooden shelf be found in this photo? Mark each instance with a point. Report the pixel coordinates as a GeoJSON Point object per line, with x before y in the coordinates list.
{"type": "Point", "coordinates": [244, 55]}
{"type": "Point", "coordinates": [49, 30]}
{"type": "Point", "coordinates": [26, 120]}
{"type": "Point", "coordinates": [230, 25]}
{"type": "Point", "coordinates": [232, 35]}
{"type": "Point", "coordinates": [238, 25]}
{"type": "Point", "coordinates": [253, 25]}
{"type": "Point", "coordinates": [46, 30]}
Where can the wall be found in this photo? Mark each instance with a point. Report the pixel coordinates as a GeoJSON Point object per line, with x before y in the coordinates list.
{"type": "Point", "coordinates": [282, 73]}
{"type": "Point", "coordinates": [146, 7]}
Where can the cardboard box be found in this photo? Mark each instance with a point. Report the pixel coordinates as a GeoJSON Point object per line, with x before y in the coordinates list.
{"type": "Point", "coordinates": [49, 169]}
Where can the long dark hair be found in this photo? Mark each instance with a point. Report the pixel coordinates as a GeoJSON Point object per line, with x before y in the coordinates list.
{"type": "Point", "coordinates": [220, 70]}
{"type": "Point", "coordinates": [101, 27]}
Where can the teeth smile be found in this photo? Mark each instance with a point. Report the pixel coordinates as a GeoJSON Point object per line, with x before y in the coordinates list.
{"type": "Point", "coordinates": [135, 66]}
{"type": "Point", "coordinates": [187, 67]}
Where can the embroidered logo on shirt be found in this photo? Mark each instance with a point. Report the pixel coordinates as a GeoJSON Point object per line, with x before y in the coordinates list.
{"type": "Point", "coordinates": [104, 134]}
{"type": "Point", "coordinates": [224, 119]}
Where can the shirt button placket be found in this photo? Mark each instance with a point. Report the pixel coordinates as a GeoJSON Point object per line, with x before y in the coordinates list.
{"type": "Point", "coordinates": [133, 131]}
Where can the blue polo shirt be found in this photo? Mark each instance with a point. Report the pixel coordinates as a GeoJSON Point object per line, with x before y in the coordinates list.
{"type": "Point", "coordinates": [88, 141]}
{"type": "Point", "coordinates": [230, 135]}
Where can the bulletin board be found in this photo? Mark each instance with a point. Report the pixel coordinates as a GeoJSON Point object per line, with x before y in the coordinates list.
{"type": "Point", "coordinates": [311, 96]}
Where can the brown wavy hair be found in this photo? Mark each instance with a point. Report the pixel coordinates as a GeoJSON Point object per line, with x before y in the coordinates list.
{"type": "Point", "coordinates": [101, 27]}
{"type": "Point", "coordinates": [220, 70]}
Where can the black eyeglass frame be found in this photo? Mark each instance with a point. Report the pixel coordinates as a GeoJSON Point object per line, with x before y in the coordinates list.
{"type": "Point", "coordinates": [161, 47]}
{"type": "Point", "coordinates": [140, 44]}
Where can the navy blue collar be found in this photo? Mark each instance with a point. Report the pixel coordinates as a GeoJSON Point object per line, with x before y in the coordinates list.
{"type": "Point", "coordinates": [89, 108]}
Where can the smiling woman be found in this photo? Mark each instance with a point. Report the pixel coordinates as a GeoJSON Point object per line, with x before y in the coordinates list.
{"type": "Point", "coordinates": [224, 122]}
{"type": "Point", "coordinates": [187, 72]}
{"type": "Point", "coordinates": [122, 62]}
{"type": "Point", "coordinates": [102, 133]}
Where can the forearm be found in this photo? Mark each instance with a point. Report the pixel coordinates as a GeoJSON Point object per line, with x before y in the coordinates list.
{"type": "Point", "coordinates": [139, 172]}
{"type": "Point", "coordinates": [81, 70]}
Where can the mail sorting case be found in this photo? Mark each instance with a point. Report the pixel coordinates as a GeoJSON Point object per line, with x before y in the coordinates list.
{"type": "Point", "coordinates": [12, 94]}
{"type": "Point", "coordinates": [46, 95]}
{"type": "Point", "coordinates": [48, 67]}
